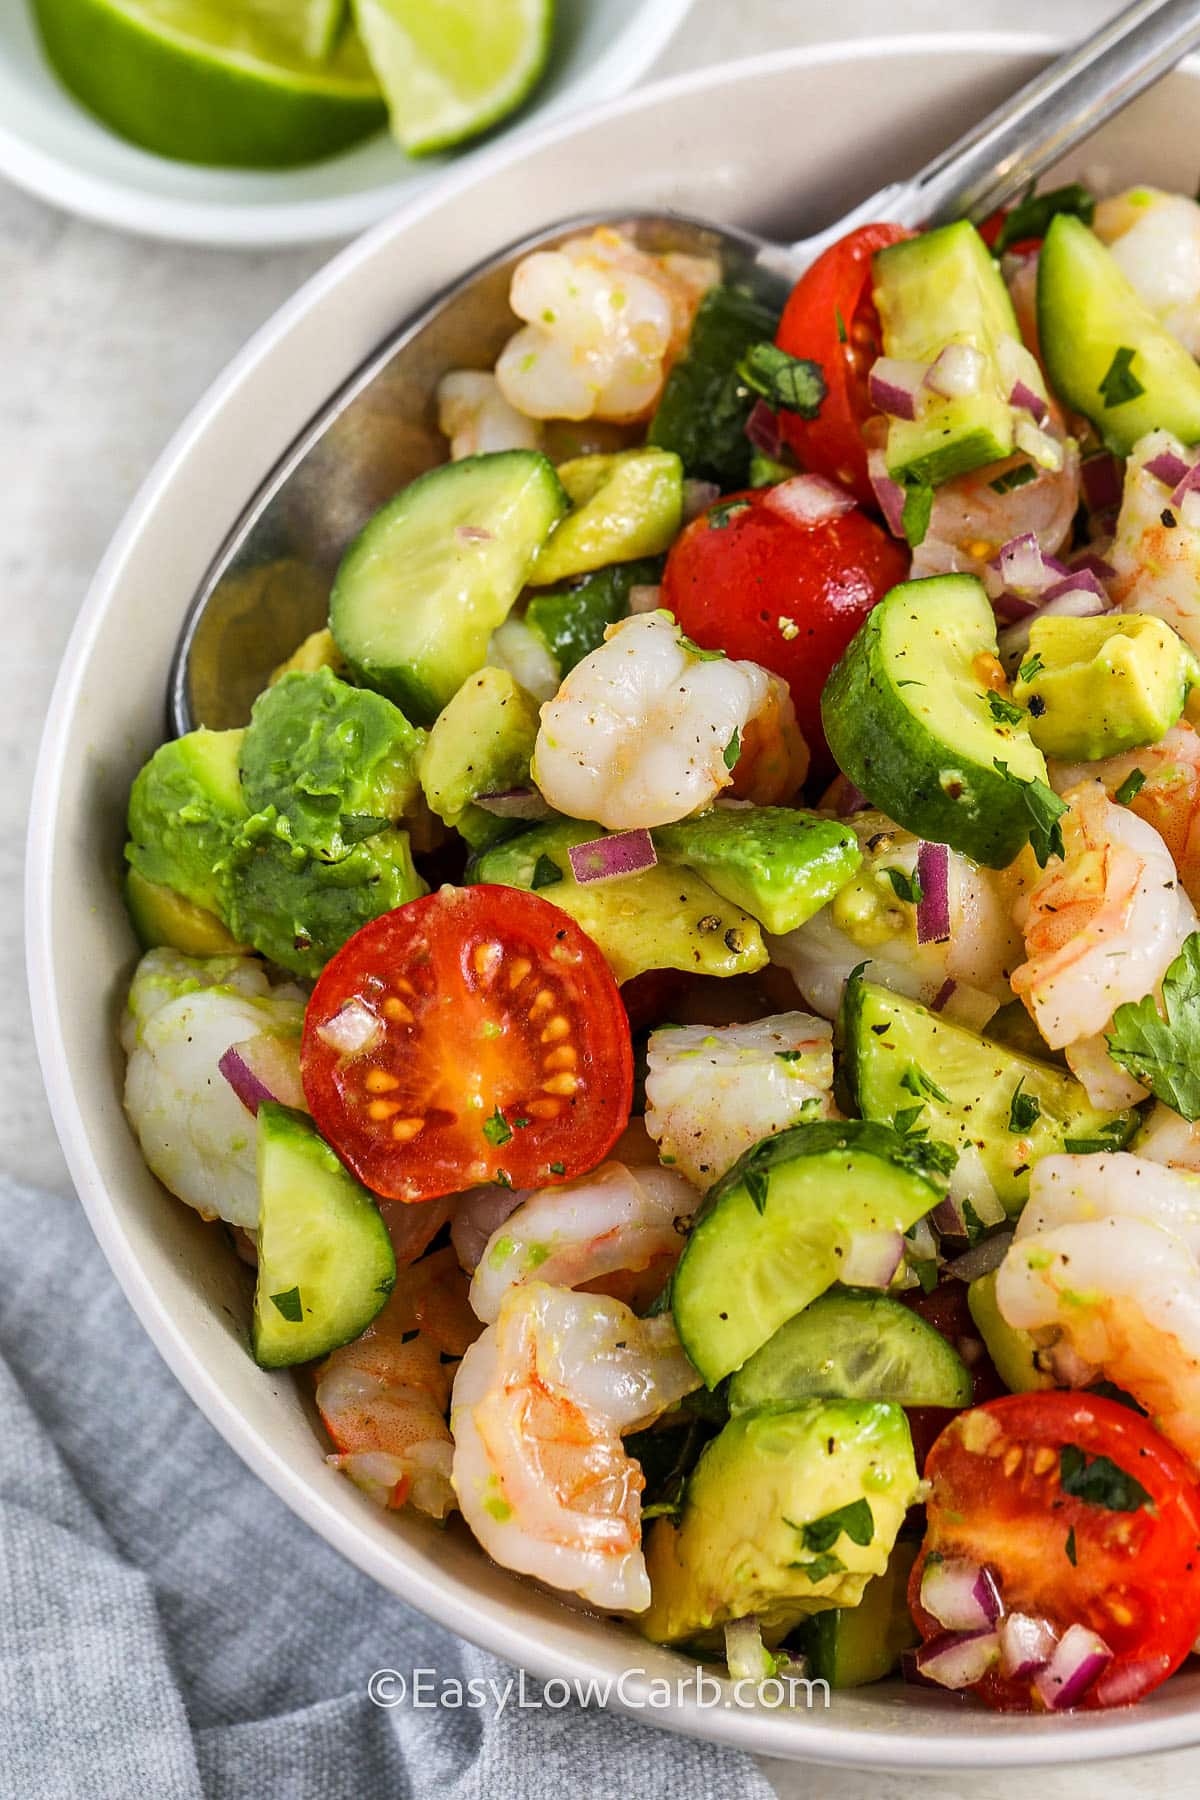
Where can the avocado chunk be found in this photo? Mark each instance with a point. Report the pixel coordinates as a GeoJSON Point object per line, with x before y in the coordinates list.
{"type": "Point", "coordinates": [786, 1513]}
{"type": "Point", "coordinates": [1096, 687]}
{"type": "Point", "coordinates": [624, 506]}
{"type": "Point", "coordinates": [705, 404]}
{"type": "Point", "coordinates": [571, 622]}
{"type": "Point", "coordinates": [778, 864]}
{"type": "Point", "coordinates": [164, 919]}
{"type": "Point", "coordinates": [942, 287]}
{"type": "Point", "coordinates": [1013, 1351]}
{"type": "Point", "coordinates": [481, 743]}
{"type": "Point", "coordinates": [905, 1063]}
{"type": "Point", "coordinates": [664, 918]}
{"type": "Point", "coordinates": [185, 807]}
{"type": "Point", "coordinates": [852, 1345]}
{"type": "Point", "coordinates": [849, 1646]}
{"type": "Point", "coordinates": [1105, 352]}
{"type": "Point", "coordinates": [296, 907]}
{"type": "Point", "coordinates": [773, 1232]}
{"type": "Point", "coordinates": [337, 762]}
{"type": "Point", "coordinates": [316, 651]}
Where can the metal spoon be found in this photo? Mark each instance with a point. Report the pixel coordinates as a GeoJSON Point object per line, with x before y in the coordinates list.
{"type": "Point", "coordinates": [268, 585]}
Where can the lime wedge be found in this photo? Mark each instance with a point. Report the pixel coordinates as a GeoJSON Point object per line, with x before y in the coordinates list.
{"type": "Point", "coordinates": [451, 68]}
{"type": "Point", "coordinates": [247, 83]}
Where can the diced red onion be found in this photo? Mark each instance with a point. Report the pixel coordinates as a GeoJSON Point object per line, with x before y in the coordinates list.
{"type": "Point", "coordinates": [808, 499]}
{"type": "Point", "coordinates": [981, 1259]}
{"type": "Point", "coordinates": [1078, 1659]}
{"type": "Point", "coordinates": [958, 1659]}
{"type": "Point", "coordinates": [1103, 478]}
{"type": "Point", "coordinates": [644, 598]}
{"type": "Point", "coordinates": [515, 803]}
{"type": "Point", "coordinates": [1168, 468]}
{"type": "Point", "coordinates": [762, 428]}
{"type": "Point", "coordinates": [957, 370]}
{"type": "Point", "coordinates": [1088, 559]}
{"type": "Point", "coordinates": [947, 1220]}
{"type": "Point", "coordinates": [244, 1082]}
{"type": "Point", "coordinates": [943, 994]}
{"type": "Point", "coordinates": [961, 1595]}
{"type": "Point", "coordinates": [895, 386]}
{"type": "Point", "coordinates": [1022, 378]}
{"type": "Point", "coordinates": [698, 496]}
{"type": "Point", "coordinates": [872, 1259]}
{"type": "Point", "coordinates": [1187, 484]}
{"type": "Point", "coordinates": [1022, 565]}
{"type": "Point", "coordinates": [1010, 607]}
{"type": "Point", "coordinates": [889, 493]}
{"type": "Point", "coordinates": [474, 534]}
{"type": "Point", "coordinates": [933, 908]}
{"type": "Point", "coordinates": [612, 858]}
{"type": "Point", "coordinates": [1026, 1645]}
{"type": "Point", "coordinates": [478, 1215]}
{"type": "Point", "coordinates": [1027, 400]}
{"type": "Point", "coordinates": [1079, 581]}
{"type": "Point", "coordinates": [351, 1031]}
{"type": "Point", "coordinates": [746, 1656]}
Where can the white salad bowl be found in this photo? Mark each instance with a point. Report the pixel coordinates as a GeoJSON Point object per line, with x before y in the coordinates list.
{"type": "Point", "coordinates": [778, 143]}
{"type": "Point", "coordinates": [53, 146]}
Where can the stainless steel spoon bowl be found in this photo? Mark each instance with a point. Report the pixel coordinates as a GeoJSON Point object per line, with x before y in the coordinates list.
{"type": "Point", "coordinates": [268, 584]}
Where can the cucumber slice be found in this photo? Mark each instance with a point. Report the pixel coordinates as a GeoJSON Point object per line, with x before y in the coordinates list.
{"type": "Point", "coordinates": [908, 718]}
{"type": "Point", "coordinates": [853, 1346]}
{"type": "Point", "coordinates": [325, 1260]}
{"type": "Point", "coordinates": [848, 1646]}
{"type": "Point", "coordinates": [773, 1231]}
{"type": "Point", "coordinates": [419, 592]}
{"type": "Point", "coordinates": [976, 1106]}
{"type": "Point", "coordinates": [1087, 314]}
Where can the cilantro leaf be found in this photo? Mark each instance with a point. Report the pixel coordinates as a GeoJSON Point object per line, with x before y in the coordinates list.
{"type": "Point", "coordinates": [545, 872]}
{"type": "Point", "coordinates": [497, 1129]}
{"type": "Point", "coordinates": [1003, 711]}
{"type": "Point", "coordinates": [793, 382]}
{"type": "Point", "coordinates": [1024, 1109]}
{"type": "Point", "coordinates": [733, 749]}
{"type": "Point", "coordinates": [289, 1305]}
{"type": "Point", "coordinates": [1099, 1481]}
{"type": "Point", "coordinates": [1108, 1138]}
{"type": "Point", "coordinates": [1033, 665]}
{"type": "Point", "coordinates": [557, 1168]}
{"type": "Point", "coordinates": [905, 886]}
{"type": "Point", "coordinates": [1163, 1053]}
{"type": "Point", "coordinates": [854, 1519]}
{"type": "Point", "coordinates": [1045, 811]}
{"type": "Point", "coordinates": [698, 650]}
{"type": "Point", "coordinates": [1131, 787]}
{"type": "Point", "coordinates": [1031, 217]}
{"type": "Point", "coordinates": [843, 334]}
{"type": "Point", "coordinates": [717, 517]}
{"type": "Point", "coordinates": [1120, 384]}
{"type": "Point", "coordinates": [820, 1566]}
{"type": "Point", "coordinates": [927, 1274]}
{"type": "Point", "coordinates": [915, 1081]}
{"type": "Point", "coordinates": [974, 1224]}
{"type": "Point", "coordinates": [914, 520]}
{"type": "Point", "coordinates": [907, 1117]}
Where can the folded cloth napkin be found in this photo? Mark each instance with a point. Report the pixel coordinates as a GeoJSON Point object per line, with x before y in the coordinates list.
{"type": "Point", "coordinates": [168, 1630]}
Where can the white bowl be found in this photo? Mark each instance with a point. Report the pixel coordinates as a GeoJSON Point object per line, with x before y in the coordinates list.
{"type": "Point", "coordinates": [55, 148]}
{"type": "Point", "coordinates": [768, 143]}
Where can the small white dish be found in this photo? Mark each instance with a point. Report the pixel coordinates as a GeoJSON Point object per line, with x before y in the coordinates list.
{"type": "Point", "coordinates": [52, 146]}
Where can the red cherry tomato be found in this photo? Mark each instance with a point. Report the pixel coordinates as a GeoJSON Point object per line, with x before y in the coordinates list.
{"type": "Point", "coordinates": [1132, 1576]}
{"type": "Point", "coordinates": [786, 595]}
{"type": "Point", "coordinates": [830, 317]}
{"type": "Point", "coordinates": [501, 1050]}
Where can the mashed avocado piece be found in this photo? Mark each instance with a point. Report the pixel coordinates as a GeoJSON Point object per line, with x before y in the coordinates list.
{"type": "Point", "coordinates": [665, 918]}
{"type": "Point", "coordinates": [623, 506]}
{"type": "Point", "coordinates": [788, 1512]}
{"type": "Point", "coordinates": [185, 808]}
{"type": "Point", "coordinates": [778, 864]}
{"type": "Point", "coordinates": [1096, 687]}
{"type": "Point", "coordinates": [480, 743]}
{"type": "Point", "coordinates": [339, 763]}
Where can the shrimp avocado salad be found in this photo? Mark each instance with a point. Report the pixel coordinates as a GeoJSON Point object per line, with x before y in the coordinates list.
{"type": "Point", "coordinates": [687, 993]}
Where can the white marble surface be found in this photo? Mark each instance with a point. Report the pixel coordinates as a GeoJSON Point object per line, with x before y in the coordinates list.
{"type": "Point", "coordinates": [105, 343]}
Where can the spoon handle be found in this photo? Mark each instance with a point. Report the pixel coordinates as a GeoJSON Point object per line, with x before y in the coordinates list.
{"type": "Point", "coordinates": [1034, 127]}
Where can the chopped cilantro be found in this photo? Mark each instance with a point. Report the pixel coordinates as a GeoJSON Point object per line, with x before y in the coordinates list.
{"type": "Point", "coordinates": [1108, 1138]}
{"type": "Point", "coordinates": [697, 650]}
{"type": "Point", "coordinates": [1045, 811]}
{"type": "Point", "coordinates": [1131, 787]}
{"type": "Point", "coordinates": [1031, 217]}
{"type": "Point", "coordinates": [733, 749]}
{"type": "Point", "coordinates": [788, 381]}
{"type": "Point", "coordinates": [1033, 665]}
{"type": "Point", "coordinates": [1014, 478]}
{"type": "Point", "coordinates": [974, 1224]}
{"type": "Point", "coordinates": [907, 1117]}
{"type": "Point", "coordinates": [557, 1168]}
{"type": "Point", "coordinates": [854, 1519]}
{"type": "Point", "coordinates": [789, 1055]}
{"type": "Point", "coordinates": [718, 518]}
{"type": "Point", "coordinates": [1163, 1053]}
{"type": "Point", "coordinates": [841, 325]}
{"type": "Point", "coordinates": [1099, 1481]}
{"type": "Point", "coordinates": [821, 1566]}
{"type": "Point", "coordinates": [915, 1081]}
{"type": "Point", "coordinates": [927, 1274]}
{"type": "Point", "coordinates": [1024, 1109]}
{"type": "Point", "coordinates": [289, 1305]}
{"type": "Point", "coordinates": [497, 1130]}
{"type": "Point", "coordinates": [1120, 384]}
{"type": "Point", "coordinates": [905, 886]}
{"type": "Point", "coordinates": [1003, 711]}
{"type": "Point", "coordinates": [545, 872]}
{"type": "Point", "coordinates": [914, 520]}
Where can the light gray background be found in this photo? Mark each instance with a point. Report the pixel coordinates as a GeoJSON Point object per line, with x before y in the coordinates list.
{"type": "Point", "coordinates": [105, 342]}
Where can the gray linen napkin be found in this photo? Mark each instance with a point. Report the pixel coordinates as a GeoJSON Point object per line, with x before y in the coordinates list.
{"type": "Point", "coordinates": [169, 1630]}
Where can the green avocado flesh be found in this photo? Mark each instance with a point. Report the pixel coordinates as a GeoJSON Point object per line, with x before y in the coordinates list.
{"type": "Point", "coordinates": [777, 864]}
{"type": "Point", "coordinates": [624, 506]}
{"type": "Point", "coordinates": [184, 808]}
{"type": "Point", "coordinates": [481, 743]}
{"type": "Point", "coordinates": [759, 1530]}
{"type": "Point", "coordinates": [160, 916]}
{"type": "Point", "coordinates": [908, 716]}
{"type": "Point", "coordinates": [1097, 687]}
{"type": "Point", "coordinates": [773, 1232]}
{"type": "Point", "coordinates": [1009, 1109]}
{"type": "Point", "coordinates": [1091, 326]}
{"type": "Point", "coordinates": [325, 1260]}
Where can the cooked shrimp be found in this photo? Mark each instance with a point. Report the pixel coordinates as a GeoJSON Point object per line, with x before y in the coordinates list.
{"type": "Point", "coordinates": [616, 1218]}
{"type": "Point", "coordinates": [604, 321]}
{"type": "Point", "coordinates": [1168, 799]}
{"type": "Point", "coordinates": [971, 519]}
{"type": "Point", "coordinates": [477, 419]}
{"type": "Point", "coordinates": [539, 1408]}
{"type": "Point", "coordinates": [1166, 1138]}
{"type": "Point", "coordinates": [184, 1013]}
{"type": "Point", "coordinates": [383, 1398]}
{"type": "Point", "coordinates": [1155, 240]}
{"type": "Point", "coordinates": [869, 921]}
{"type": "Point", "coordinates": [1105, 1256]}
{"type": "Point", "coordinates": [478, 1216]}
{"type": "Point", "coordinates": [712, 1093]}
{"type": "Point", "coordinates": [642, 731]}
{"type": "Point", "coordinates": [1101, 927]}
{"type": "Point", "coordinates": [1157, 563]}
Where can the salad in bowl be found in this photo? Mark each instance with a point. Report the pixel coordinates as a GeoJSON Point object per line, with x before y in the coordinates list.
{"type": "Point", "coordinates": [686, 994]}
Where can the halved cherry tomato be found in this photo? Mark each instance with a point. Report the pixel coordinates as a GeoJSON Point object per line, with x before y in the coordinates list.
{"type": "Point", "coordinates": [501, 1050]}
{"type": "Point", "coordinates": [1131, 1576]}
{"type": "Point", "coordinates": [756, 583]}
{"type": "Point", "coordinates": [830, 317]}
